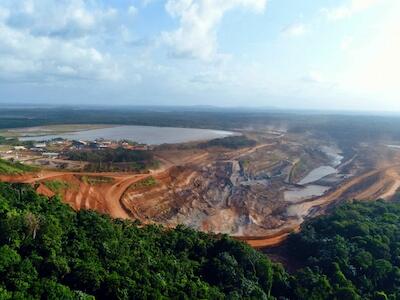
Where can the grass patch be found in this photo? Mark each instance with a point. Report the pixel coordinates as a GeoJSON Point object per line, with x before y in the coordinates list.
{"type": "Point", "coordinates": [245, 163]}
{"type": "Point", "coordinates": [147, 182]}
{"type": "Point", "coordinates": [5, 148]}
{"type": "Point", "coordinates": [57, 186]}
{"type": "Point", "coordinates": [298, 170]}
{"type": "Point", "coordinates": [14, 168]}
{"type": "Point", "coordinates": [94, 180]}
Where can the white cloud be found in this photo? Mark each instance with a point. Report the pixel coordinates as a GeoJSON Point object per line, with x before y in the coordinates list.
{"type": "Point", "coordinates": [349, 9]}
{"type": "Point", "coordinates": [48, 41]}
{"type": "Point", "coordinates": [316, 76]}
{"type": "Point", "coordinates": [294, 30]}
{"type": "Point", "coordinates": [375, 65]}
{"type": "Point", "coordinates": [346, 43]}
{"type": "Point", "coordinates": [196, 36]}
{"type": "Point", "coordinates": [147, 2]}
{"type": "Point", "coordinates": [132, 10]}
{"type": "Point", "coordinates": [4, 14]}
{"type": "Point", "coordinates": [62, 19]}
{"type": "Point", "coordinates": [66, 70]}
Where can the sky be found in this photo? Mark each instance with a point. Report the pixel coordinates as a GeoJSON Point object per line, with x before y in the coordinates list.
{"type": "Point", "coordinates": [319, 54]}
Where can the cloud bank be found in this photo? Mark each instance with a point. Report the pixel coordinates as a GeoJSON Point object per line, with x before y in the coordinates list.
{"type": "Point", "coordinates": [53, 40]}
{"type": "Point", "coordinates": [196, 36]}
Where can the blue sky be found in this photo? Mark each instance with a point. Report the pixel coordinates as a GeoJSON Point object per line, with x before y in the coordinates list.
{"type": "Point", "coordinates": [330, 54]}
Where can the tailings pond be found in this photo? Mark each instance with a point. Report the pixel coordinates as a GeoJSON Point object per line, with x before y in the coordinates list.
{"type": "Point", "coordinates": [150, 135]}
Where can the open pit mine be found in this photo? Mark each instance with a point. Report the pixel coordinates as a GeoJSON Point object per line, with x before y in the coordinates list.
{"type": "Point", "coordinates": [258, 194]}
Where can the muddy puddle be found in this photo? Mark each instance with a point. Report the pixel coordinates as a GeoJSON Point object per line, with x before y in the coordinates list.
{"type": "Point", "coordinates": [323, 171]}
{"type": "Point", "coordinates": [310, 189]}
{"type": "Point", "coordinates": [318, 174]}
{"type": "Point", "coordinates": [299, 194]}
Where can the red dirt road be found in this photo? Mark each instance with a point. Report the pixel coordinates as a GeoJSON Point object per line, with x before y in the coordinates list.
{"type": "Point", "coordinates": [104, 197]}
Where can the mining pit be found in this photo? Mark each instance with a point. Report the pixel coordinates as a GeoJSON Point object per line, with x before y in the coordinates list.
{"type": "Point", "coordinates": [258, 194]}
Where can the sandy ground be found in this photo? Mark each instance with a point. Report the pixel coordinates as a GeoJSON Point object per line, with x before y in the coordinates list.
{"type": "Point", "coordinates": [247, 151]}
{"type": "Point", "coordinates": [274, 239]}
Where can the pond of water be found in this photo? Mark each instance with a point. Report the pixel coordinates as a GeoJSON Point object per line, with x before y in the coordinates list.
{"type": "Point", "coordinates": [150, 135]}
{"type": "Point", "coordinates": [299, 194]}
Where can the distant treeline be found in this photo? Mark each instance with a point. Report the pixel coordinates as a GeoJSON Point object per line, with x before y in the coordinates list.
{"type": "Point", "coordinates": [347, 128]}
{"type": "Point", "coordinates": [119, 159]}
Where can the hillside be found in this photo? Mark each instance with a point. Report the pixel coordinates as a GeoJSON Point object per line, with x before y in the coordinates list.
{"type": "Point", "coordinates": [14, 168]}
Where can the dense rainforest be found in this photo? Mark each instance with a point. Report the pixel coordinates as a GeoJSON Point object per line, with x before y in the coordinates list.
{"type": "Point", "coordinates": [49, 251]}
{"type": "Point", "coordinates": [353, 253]}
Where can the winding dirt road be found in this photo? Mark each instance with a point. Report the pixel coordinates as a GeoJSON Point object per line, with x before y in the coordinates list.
{"type": "Point", "coordinates": [115, 193]}
{"type": "Point", "coordinates": [110, 193]}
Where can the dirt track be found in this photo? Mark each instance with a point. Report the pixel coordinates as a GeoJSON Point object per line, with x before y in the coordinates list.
{"type": "Point", "coordinates": [271, 240]}
{"type": "Point", "coordinates": [104, 197]}
{"type": "Point", "coordinates": [247, 151]}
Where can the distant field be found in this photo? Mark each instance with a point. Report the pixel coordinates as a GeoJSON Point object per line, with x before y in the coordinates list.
{"type": "Point", "coordinates": [5, 147]}
{"type": "Point", "coordinates": [50, 129]}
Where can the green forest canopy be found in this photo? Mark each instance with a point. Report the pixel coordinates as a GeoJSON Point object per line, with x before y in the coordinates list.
{"type": "Point", "coordinates": [354, 253]}
{"type": "Point", "coordinates": [49, 251]}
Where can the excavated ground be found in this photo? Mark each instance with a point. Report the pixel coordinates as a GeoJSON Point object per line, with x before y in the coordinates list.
{"type": "Point", "coordinates": [81, 194]}
{"type": "Point", "coordinates": [241, 193]}
{"type": "Point", "coordinates": [238, 192]}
